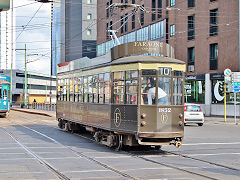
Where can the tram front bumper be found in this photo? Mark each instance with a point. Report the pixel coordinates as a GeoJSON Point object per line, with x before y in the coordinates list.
{"type": "Point", "coordinates": [159, 138]}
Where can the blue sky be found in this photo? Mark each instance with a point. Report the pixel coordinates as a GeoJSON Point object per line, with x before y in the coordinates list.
{"type": "Point", "coordinates": [37, 35]}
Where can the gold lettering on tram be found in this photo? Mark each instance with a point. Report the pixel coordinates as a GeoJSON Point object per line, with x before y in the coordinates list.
{"type": "Point", "coordinates": [164, 118]}
{"type": "Point", "coordinates": [117, 117]}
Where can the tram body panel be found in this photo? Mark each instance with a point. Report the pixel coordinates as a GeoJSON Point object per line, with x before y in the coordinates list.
{"type": "Point", "coordinates": [160, 122]}
{"type": "Point", "coordinates": [124, 118]}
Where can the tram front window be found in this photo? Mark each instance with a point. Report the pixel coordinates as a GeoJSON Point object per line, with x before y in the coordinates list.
{"type": "Point", "coordinates": [164, 90]}
{"type": "Point", "coordinates": [148, 90]}
{"type": "Point", "coordinates": [4, 94]}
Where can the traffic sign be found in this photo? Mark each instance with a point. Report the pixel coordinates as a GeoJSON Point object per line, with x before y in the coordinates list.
{"type": "Point", "coordinates": [236, 88]}
{"type": "Point", "coordinates": [227, 72]}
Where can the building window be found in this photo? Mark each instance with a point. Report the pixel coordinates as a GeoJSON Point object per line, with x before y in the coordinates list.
{"type": "Point", "coordinates": [111, 25]}
{"type": "Point", "coordinates": [142, 34]}
{"type": "Point", "coordinates": [126, 22]}
{"type": "Point", "coordinates": [191, 27]}
{"type": "Point", "coordinates": [157, 30]}
{"type": "Point", "coordinates": [142, 17]}
{"type": "Point", "coordinates": [107, 28]}
{"type": "Point", "coordinates": [214, 56]}
{"type": "Point", "coordinates": [89, 1]}
{"type": "Point", "coordinates": [133, 1]}
{"type": "Point", "coordinates": [133, 20]}
{"type": "Point", "coordinates": [191, 59]}
{"type": "Point", "coordinates": [172, 30]}
{"type": "Point", "coordinates": [153, 10]}
{"type": "Point", "coordinates": [89, 48]}
{"type": "Point", "coordinates": [89, 16]}
{"type": "Point", "coordinates": [89, 32]}
{"type": "Point", "coordinates": [213, 22]}
{"type": "Point", "coordinates": [191, 3]}
{"type": "Point", "coordinates": [122, 21]}
{"type": "Point", "coordinates": [212, 0]}
{"type": "Point", "coordinates": [159, 8]}
{"type": "Point", "coordinates": [172, 2]}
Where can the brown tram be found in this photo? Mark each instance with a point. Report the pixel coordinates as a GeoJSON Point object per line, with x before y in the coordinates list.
{"type": "Point", "coordinates": [133, 96]}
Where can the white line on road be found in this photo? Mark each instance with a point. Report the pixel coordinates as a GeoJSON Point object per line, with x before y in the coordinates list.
{"type": "Point", "coordinates": [222, 143]}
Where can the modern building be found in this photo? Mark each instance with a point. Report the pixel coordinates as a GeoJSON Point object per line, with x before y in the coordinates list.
{"type": "Point", "coordinates": [73, 30]}
{"type": "Point", "coordinates": [8, 36]}
{"type": "Point", "coordinates": [204, 34]}
{"type": "Point", "coordinates": [39, 87]}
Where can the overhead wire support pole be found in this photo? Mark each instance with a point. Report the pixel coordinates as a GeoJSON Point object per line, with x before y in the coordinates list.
{"type": "Point", "coordinates": [11, 88]}
{"type": "Point", "coordinates": [25, 94]}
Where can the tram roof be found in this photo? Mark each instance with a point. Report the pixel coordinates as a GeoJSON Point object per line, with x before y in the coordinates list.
{"type": "Point", "coordinates": [146, 59]}
{"type": "Point", "coordinates": [124, 60]}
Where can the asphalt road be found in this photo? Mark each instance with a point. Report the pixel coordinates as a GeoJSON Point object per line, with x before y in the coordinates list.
{"type": "Point", "coordinates": [32, 147]}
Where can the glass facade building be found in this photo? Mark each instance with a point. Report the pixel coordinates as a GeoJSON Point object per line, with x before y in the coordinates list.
{"type": "Point", "coordinates": [73, 32]}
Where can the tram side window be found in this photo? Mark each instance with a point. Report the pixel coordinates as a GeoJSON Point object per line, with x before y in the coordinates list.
{"type": "Point", "coordinates": [101, 88]}
{"type": "Point", "coordinates": [85, 95]}
{"type": "Point", "coordinates": [178, 88]}
{"type": "Point", "coordinates": [65, 89]}
{"type": "Point", "coordinates": [0, 93]}
{"type": "Point", "coordinates": [76, 84]}
{"type": "Point", "coordinates": [80, 89]}
{"type": "Point", "coordinates": [118, 87]}
{"type": "Point", "coordinates": [60, 90]}
{"type": "Point", "coordinates": [107, 94]}
{"type": "Point", "coordinates": [5, 94]}
{"type": "Point", "coordinates": [71, 90]}
{"type": "Point", "coordinates": [131, 87]}
{"type": "Point", "coordinates": [95, 88]}
{"type": "Point", "coordinates": [90, 89]}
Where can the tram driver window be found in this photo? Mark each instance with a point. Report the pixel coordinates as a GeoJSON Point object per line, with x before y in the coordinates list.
{"type": "Point", "coordinates": [148, 90]}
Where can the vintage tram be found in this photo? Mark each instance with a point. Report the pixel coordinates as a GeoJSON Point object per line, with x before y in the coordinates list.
{"type": "Point", "coordinates": [4, 95]}
{"type": "Point", "coordinates": [133, 96]}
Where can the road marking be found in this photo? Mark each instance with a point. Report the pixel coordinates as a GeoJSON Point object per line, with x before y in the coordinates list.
{"type": "Point", "coordinates": [196, 144]}
{"type": "Point", "coordinates": [87, 171]}
{"type": "Point", "coordinates": [217, 154]}
{"type": "Point", "coordinates": [111, 157]}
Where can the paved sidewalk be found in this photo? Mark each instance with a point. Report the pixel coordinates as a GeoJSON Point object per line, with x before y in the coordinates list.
{"type": "Point", "coordinates": [36, 111]}
{"type": "Point", "coordinates": [220, 120]}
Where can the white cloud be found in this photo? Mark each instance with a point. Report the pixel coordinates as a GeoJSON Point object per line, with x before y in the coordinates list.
{"type": "Point", "coordinates": [37, 35]}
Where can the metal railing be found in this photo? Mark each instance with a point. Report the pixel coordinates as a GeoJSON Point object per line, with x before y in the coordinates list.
{"type": "Point", "coordinates": [43, 106]}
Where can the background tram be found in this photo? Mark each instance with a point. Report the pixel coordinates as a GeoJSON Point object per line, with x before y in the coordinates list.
{"type": "Point", "coordinates": [126, 98]}
{"type": "Point", "coordinates": [4, 95]}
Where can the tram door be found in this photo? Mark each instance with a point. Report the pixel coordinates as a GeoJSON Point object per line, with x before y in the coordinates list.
{"type": "Point", "coordinates": [4, 97]}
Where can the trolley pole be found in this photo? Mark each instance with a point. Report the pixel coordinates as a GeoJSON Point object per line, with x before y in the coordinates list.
{"type": "Point", "coordinates": [25, 96]}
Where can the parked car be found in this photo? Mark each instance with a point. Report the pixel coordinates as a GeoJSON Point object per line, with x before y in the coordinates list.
{"type": "Point", "coordinates": [193, 114]}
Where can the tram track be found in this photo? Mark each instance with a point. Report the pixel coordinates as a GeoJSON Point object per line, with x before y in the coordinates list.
{"type": "Point", "coordinates": [132, 154]}
{"type": "Point", "coordinates": [44, 163]}
{"type": "Point", "coordinates": [171, 166]}
{"type": "Point", "coordinates": [82, 155]}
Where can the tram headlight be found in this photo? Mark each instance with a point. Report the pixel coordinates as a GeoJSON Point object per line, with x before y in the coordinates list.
{"type": "Point", "coordinates": [180, 116]}
{"type": "Point", "coordinates": [143, 123]}
{"type": "Point", "coordinates": [143, 115]}
{"type": "Point", "coordinates": [180, 123]}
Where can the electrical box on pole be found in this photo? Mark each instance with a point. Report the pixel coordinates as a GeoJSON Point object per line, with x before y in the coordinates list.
{"type": "Point", "coordinates": [4, 5]}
